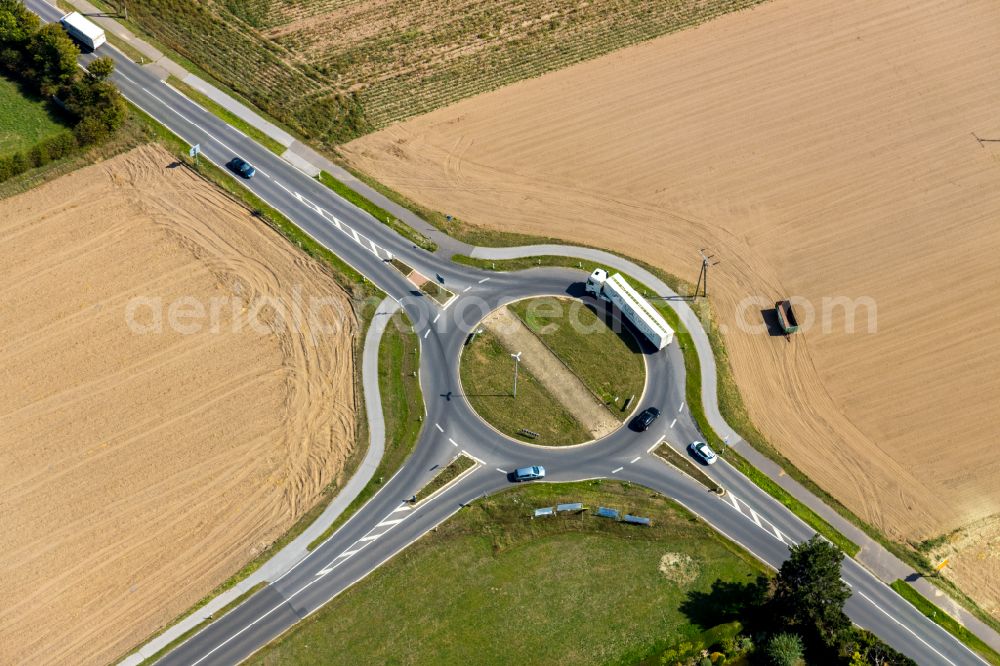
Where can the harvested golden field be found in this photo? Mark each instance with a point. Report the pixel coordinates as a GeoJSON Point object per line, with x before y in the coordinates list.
{"type": "Point", "coordinates": [140, 469]}
{"type": "Point", "coordinates": [819, 149]}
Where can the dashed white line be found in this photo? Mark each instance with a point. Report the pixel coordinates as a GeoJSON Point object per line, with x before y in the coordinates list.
{"type": "Point", "coordinates": [866, 597]}
{"type": "Point", "coordinates": [467, 289]}
{"type": "Point", "coordinates": [483, 280]}
{"type": "Point", "coordinates": [634, 460]}
{"type": "Point", "coordinates": [615, 471]}
{"type": "Point", "coordinates": [453, 442]}
{"type": "Point", "coordinates": [126, 78]}
{"type": "Point", "coordinates": [438, 426]}
{"type": "Point", "coordinates": [672, 423]}
{"type": "Point", "coordinates": [426, 333]}
{"type": "Point", "coordinates": [438, 316]}
{"type": "Point", "coordinates": [681, 408]}
{"type": "Point", "coordinates": [502, 471]}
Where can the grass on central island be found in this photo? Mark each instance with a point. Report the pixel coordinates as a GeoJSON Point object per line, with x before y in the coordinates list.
{"type": "Point", "coordinates": [487, 372]}
{"type": "Point", "coordinates": [24, 120]}
{"type": "Point", "coordinates": [493, 586]}
{"type": "Point", "coordinates": [608, 361]}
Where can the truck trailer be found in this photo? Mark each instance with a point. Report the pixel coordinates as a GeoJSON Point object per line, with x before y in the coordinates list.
{"type": "Point", "coordinates": [86, 32]}
{"type": "Point", "coordinates": [786, 317]}
{"type": "Point", "coordinates": [636, 309]}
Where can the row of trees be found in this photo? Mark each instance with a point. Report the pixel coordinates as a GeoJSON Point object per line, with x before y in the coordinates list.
{"type": "Point", "coordinates": [793, 619]}
{"type": "Point", "coordinates": [44, 59]}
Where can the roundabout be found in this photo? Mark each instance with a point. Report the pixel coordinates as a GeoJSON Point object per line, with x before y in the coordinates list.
{"type": "Point", "coordinates": [553, 371]}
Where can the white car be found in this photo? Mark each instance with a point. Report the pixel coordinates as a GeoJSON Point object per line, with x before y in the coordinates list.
{"type": "Point", "coordinates": [703, 452]}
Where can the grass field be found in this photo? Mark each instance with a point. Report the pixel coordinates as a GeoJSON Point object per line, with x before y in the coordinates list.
{"type": "Point", "coordinates": [487, 380]}
{"type": "Point", "coordinates": [609, 362]}
{"type": "Point", "coordinates": [496, 586]}
{"type": "Point", "coordinates": [334, 70]}
{"type": "Point", "coordinates": [24, 120]}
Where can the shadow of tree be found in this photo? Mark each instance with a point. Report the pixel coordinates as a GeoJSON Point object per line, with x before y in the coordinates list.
{"type": "Point", "coordinates": [726, 601]}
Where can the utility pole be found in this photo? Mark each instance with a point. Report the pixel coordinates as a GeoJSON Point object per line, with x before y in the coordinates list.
{"type": "Point", "coordinates": [474, 334]}
{"type": "Point", "coordinates": [517, 360]}
{"type": "Point", "coordinates": [703, 275]}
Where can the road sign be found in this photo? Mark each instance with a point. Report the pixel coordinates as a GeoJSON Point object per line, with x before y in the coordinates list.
{"type": "Point", "coordinates": [195, 149]}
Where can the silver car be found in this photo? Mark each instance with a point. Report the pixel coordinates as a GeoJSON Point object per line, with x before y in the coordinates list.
{"type": "Point", "coordinates": [703, 452]}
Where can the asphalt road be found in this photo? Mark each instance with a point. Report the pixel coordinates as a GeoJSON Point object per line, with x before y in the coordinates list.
{"type": "Point", "coordinates": [387, 524]}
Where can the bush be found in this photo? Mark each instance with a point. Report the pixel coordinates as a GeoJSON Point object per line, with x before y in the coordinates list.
{"type": "Point", "coordinates": [784, 650]}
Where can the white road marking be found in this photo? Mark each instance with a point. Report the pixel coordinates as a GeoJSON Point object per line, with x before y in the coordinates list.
{"type": "Point", "coordinates": [681, 408]}
{"type": "Point", "coordinates": [502, 471]}
{"type": "Point", "coordinates": [426, 333]}
{"type": "Point", "coordinates": [374, 248]}
{"type": "Point", "coordinates": [175, 111]}
{"type": "Point", "coordinates": [126, 78]}
{"type": "Point", "coordinates": [401, 507]}
{"type": "Point", "coordinates": [438, 316]}
{"type": "Point", "coordinates": [467, 289]}
{"type": "Point", "coordinates": [386, 523]}
{"type": "Point", "coordinates": [869, 600]}
{"type": "Point", "coordinates": [370, 537]}
{"type": "Point", "coordinates": [349, 553]}
{"type": "Point", "coordinates": [634, 460]}
{"type": "Point", "coordinates": [483, 280]}
{"type": "Point", "coordinates": [673, 422]}
{"type": "Point", "coordinates": [354, 232]}
{"type": "Point", "coordinates": [438, 426]}
{"type": "Point", "coordinates": [615, 471]}
{"type": "Point", "coordinates": [453, 442]}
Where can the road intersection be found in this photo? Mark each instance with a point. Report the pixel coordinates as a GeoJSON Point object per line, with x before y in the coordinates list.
{"type": "Point", "coordinates": [387, 523]}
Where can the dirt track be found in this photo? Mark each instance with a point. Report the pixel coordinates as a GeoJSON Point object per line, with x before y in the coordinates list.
{"type": "Point", "coordinates": [138, 471]}
{"type": "Point", "coordinates": [819, 149]}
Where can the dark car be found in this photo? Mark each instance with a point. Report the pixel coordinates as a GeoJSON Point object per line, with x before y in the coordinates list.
{"type": "Point", "coordinates": [645, 419]}
{"type": "Point", "coordinates": [242, 167]}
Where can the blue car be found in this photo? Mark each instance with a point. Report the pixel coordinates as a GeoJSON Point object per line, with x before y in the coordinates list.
{"type": "Point", "coordinates": [242, 167]}
{"type": "Point", "coordinates": [529, 473]}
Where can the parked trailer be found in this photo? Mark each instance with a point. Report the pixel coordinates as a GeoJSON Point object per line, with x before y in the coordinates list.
{"type": "Point", "coordinates": [86, 32]}
{"type": "Point", "coordinates": [786, 317]}
{"type": "Point", "coordinates": [636, 309]}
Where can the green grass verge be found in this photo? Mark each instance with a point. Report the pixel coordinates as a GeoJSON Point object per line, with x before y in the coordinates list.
{"type": "Point", "coordinates": [610, 363]}
{"type": "Point", "coordinates": [25, 119]}
{"type": "Point", "coordinates": [492, 586]}
{"type": "Point", "coordinates": [686, 465]}
{"type": "Point", "coordinates": [692, 366]}
{"type": "Point", "coordinates": [950, 624]}
{"type": "Point", "coordinates": [229, 117]}
{"type": "Point", "coordinates": [448, 473]}
{"type": "Point", "coordinates": [379, 213]}
{"type": "Point", "coordinates": [402, 409]}
{"type": "Point", "coordinates": [201, 625]}
{"type": "Point", "coordinates": [487, 373]}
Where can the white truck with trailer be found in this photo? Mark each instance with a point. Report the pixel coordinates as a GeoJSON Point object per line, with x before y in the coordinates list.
{"type": "Point", "coordinates": [82, 30]}
{"type": "Point", "coordinates": [636, 309]}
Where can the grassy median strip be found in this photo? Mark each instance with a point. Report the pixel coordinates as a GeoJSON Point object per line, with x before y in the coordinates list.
{"type": "Point", "coordinates": [687, 466]}
{"type": "Point", "coordinates": [608, 362]}
{"type": "Point", "coordinates": [490, 585]}
{"type": "Point", "coordinates": [446, 475]}
{"type": "Point", "coordinates": [228, 116]}
{"type": "Point", "coordinates": [692, 366]}
{"type": "Point", "coordinates": [402, 409]}
{"type": "Point", "coordinates": [947, 622]}
{"type": "Point", "coordinates": [379, 213]}
{"type": "Point", "coordinates": [487, 373]}
{"type": "Point", "coordinates": [436, 291]}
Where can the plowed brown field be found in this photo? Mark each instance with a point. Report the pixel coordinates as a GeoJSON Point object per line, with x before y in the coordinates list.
{"type": "Point", "coordinates": [819, 149]}
{"type": "Point", "coordinates": [139, 471]}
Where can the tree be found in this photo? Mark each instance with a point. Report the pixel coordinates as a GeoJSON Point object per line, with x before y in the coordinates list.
{"type": "Point", "coordinates": [17, 24]}
{"type": "Point", "coordinates": [808, 591]}
{"type": "Point", "coordinates": [53, 58]}
{"type": "Point", "coordinates": [784, 650]}
{"type": "Point", "coordinates": [101, 69]}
